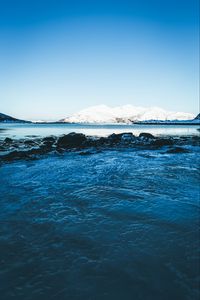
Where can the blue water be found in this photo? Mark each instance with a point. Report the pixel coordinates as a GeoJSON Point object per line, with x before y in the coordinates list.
{"type": "Point", "coordinates": [120, 224]}
{"type": "Point", "coordinates": [25, 130]}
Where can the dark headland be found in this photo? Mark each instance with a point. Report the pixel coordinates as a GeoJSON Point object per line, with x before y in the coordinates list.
{"type": "Point", "coordinates": [8, 119]}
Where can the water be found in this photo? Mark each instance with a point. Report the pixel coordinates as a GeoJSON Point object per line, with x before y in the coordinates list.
{"type": "Point", "coordinates": [117, 224]}
{"type": "Point", "coordinates": [24, 130]}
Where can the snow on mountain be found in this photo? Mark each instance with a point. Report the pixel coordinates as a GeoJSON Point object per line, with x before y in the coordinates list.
{"type": "Point", "coordinates": [124, 114]}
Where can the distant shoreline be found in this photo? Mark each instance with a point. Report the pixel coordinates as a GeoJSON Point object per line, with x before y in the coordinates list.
{"type": "Point", "coordinates": [111, 124]}
{"type": "Point", "coordinates": [168, 123]}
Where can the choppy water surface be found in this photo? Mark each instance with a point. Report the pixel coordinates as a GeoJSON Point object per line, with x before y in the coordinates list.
{"type": "Point", "coordinates": [120, 224]}
{"type": "Point", "coordinates": [17, 130]}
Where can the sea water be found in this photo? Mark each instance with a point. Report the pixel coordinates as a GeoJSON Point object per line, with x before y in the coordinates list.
{"type": "Point", "coordinates": [17, 130]}
{"type": "Point", "coordinates": [117, 224]}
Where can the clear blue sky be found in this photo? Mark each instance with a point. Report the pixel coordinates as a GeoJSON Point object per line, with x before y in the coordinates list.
{"type": "Point", "coordinates": [59, 56]}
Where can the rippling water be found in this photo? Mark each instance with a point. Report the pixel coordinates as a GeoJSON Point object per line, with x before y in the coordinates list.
{"type": "Point", "coordinates": [112, 225]}
{"type": "Point", "coordinates": [17, 130]}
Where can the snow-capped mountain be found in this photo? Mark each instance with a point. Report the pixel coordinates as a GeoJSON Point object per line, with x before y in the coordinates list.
{"type": "Point", "coordinates": [124, 114]}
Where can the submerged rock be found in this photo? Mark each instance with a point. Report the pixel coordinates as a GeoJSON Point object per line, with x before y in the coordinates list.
{"type": "Point", "coordinates": [177, 150]}
{"type": "Point", "coordinates": [162, 142]}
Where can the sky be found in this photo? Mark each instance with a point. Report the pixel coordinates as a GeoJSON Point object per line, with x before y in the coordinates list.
{"type": "Point", "coordinates": [60, 56]}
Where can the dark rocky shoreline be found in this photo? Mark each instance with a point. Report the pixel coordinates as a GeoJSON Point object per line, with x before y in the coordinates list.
{"type": "Point", "coordinates": [11, 149]}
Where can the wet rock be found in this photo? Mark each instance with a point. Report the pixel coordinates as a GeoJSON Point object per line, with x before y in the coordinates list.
{"type": "Point", "coordinates": [177, 150]}
{"type": "Point", "coordinates": [127, 137]}
{"type": "Point", "coordinates": [196, 140]}
{"type": "Point", "coordinates": [102, 141]}
{"type": "Point", "coordinates": [2, 148]}
{"type": "Point", "coordinates": [146, 135]}
{"type": "Point", "coordinates": [11, 149]}
{"type": "Point", "coordinates": [49, 140]}
{"type": "Point", "coordinates": [47, 144]}
{"type": "Point", "coordinates": [71, 140]}
{"type": "Point", "coordinates": [29, 142]}
{"type": "Point", "coordinates": [8, 140]}
{"type": "Point", "coordinates": [40, 150]}
{"type": "Point", "coordinates": [115, 138]}
{"type": "Point", "coordinates": [91, 142]}
{"type": "Point", "coordinates": [14, 155]}
{"type": "Point", "coordinates": [162, 142]}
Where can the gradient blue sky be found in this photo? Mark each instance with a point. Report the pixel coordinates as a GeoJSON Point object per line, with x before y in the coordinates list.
{"type": "Point", "coordinates": [57, 57]}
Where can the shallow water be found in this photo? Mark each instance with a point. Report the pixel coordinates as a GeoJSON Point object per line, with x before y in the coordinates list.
{"type": "Point", "coordinates": [17, 130]}
{"type": "Point", "coordinates": [120, 224]}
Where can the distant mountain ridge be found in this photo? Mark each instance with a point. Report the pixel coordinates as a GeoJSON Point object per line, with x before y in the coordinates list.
{"type": "Point", "coordinates": [125, 114]}
{"type": "Point", "coordinates": [5, 118]}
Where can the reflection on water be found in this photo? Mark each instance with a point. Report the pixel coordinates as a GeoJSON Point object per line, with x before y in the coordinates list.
{"type": "Point", "coordinates": [23, 130]}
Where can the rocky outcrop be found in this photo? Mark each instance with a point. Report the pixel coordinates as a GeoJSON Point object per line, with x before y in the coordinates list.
{"type": "Point", "coordinates": [71, 140]}
{"type": "Point", "coordinates": [11, 149]}
{"type": "Point", "coordinates": [146, 136]}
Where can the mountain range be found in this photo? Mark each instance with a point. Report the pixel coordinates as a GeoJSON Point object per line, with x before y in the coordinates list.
{"type": "Point", "coordinates": [125, 114]}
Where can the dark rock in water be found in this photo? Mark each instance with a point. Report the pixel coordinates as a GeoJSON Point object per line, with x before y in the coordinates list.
{"type": "Point", "coordinates": [127, 137]}
{"type": "Point", "coordinates": [196, 140]}
{"type": "Point", "coordinates": [48, 143]}
{"type": "Point", "coordinates": [146, 135]}
{"type": "Point", "coordinates": [86, 153]}
{"type": "Point", "coordinates": [162, 142]}
{"type": "Point", "coordinates": [40, 150]}
{"type": "Point", "coordinates": [121, 137]}
{"type": "Point", "coordinates": [2, 148]}
{"type": "Point", "coordinates": [15, 155]}
{"type": "Point", "coordinates": [12, 149]}
{"type": "Point", "coordinates": [115, 138]}
{"type": "Point", "coordinates": [102, 141]}
{"type": "Point", "coordinates": [8, 140]}
{"type": "Point", "coordinates": [71, 140]}
{"type": "Point", "coordinates": [30, 142]}
{"type": "Point", "coordinates": [90, 142]}
{"type": "Point", "coordinates": [177, 150]}
{"type": "Point", "coordinates": [49, 139]}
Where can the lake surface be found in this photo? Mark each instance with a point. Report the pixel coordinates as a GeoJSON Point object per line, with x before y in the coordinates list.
{"type": "Point", "coordinates": [24, 130]}
{"type": "Point", "coordinates": [116, 224]}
